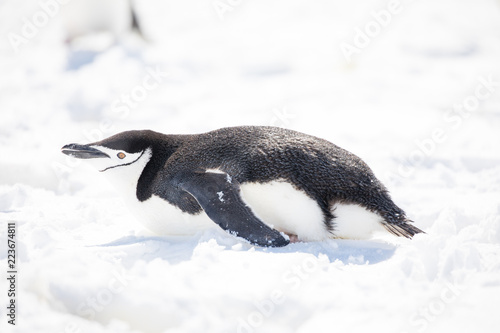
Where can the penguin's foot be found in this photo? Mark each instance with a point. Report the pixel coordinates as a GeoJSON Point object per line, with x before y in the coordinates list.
{"type": "Point", "coordinates": [293, 238]}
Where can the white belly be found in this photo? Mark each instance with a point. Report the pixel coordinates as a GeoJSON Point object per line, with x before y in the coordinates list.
{"type": "Point", "coordinates": [281, 206]}
{"type": "Point", "coordinates": [162, 218]}
{"type": "Point", "coordinates": [287, 209]}
{"type": "Point", "coordinates": [355, 222]}
{"type": "Point", "coordinates": [278, 204]}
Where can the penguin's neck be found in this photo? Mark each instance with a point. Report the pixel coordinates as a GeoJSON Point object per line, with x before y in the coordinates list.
{"type": "Point", "coordinates": [135, 180]}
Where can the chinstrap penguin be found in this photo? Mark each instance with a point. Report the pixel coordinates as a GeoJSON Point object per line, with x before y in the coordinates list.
{"type": "Point", "coordinates": [267, 185]}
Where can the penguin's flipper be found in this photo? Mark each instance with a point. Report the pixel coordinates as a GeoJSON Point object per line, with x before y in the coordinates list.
{"type": "Point", "coordinates": [219, 196]}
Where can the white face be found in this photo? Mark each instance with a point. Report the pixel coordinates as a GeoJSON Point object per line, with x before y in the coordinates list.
{"type": "Point", "coordinates": [117, 159]}
{"type": "Point", "coordinates": [122, 169]}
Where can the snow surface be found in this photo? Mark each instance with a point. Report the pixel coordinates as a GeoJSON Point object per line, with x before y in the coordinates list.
{"type": "Point", "coordinates": [86, 265]}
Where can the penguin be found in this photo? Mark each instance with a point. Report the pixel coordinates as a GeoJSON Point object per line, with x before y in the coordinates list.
{"type": "Point", "coordinates": [82, 18]}
{"type": "Point", "coordinates": [268, 185]}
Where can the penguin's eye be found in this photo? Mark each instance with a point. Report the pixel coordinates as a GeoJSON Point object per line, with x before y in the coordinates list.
{"type": "Point", "coordinates": [121, 155]}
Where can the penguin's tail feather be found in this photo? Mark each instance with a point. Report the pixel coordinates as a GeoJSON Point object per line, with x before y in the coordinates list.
{"type": "Point", "coordinates": [402, 229]}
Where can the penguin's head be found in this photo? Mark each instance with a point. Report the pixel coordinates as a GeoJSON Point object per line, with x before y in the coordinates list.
{"type": "Point", "coordinates": [130, 150]}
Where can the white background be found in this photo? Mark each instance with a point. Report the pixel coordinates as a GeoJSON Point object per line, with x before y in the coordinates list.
{"type": "Point", "coordinates": [86, 265]}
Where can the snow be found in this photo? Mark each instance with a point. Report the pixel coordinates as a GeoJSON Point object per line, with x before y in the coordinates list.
{"type": "Point", "coordinates": [419, 101]}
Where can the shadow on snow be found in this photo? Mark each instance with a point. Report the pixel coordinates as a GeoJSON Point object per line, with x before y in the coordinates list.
{"type": "Point", "coordinates": [177, 249]}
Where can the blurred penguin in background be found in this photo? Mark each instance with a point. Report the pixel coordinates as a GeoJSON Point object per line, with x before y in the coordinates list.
{"type": "Point", "coordinates": [106, 20]}
{"type": "Point", "coordinates": [90, 27]}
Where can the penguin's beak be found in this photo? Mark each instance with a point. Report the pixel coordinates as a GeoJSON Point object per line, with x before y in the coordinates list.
{"type": "Point", "coordinates": [82, 151]}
